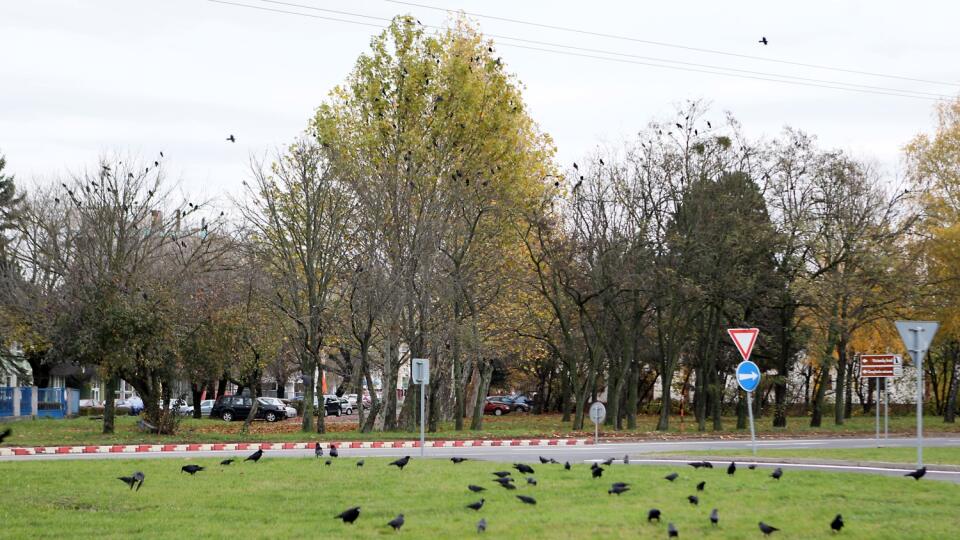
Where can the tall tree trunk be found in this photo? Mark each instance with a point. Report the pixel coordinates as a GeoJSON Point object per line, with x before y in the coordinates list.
{"type": "Point", "coordinates": [196, 391]}
{"type": "Point", "coordinates": [840, 387]}
{"type": "Point", "coordinates": [823, 380]}
{"type": "Point", "coordinates": [950, 407]}
{"type": "Point", "coordinates": [632, 395]}
{"type": "Point", "coordinates": [486, 374]}
{"type": "Point", "coordinates": [565, 390]}
{"type": "Point", "coordinates": [109, 404]}
{"type": "Point", "coordinates": [666, 379]}
{"type": "Point", "coordinates": [848, 399]}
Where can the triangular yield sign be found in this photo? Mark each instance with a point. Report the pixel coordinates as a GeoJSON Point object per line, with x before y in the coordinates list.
{"type": "Point", "coordinates": [744, 338]}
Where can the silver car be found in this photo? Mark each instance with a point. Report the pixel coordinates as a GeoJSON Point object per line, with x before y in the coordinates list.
{"type": "Point", "coordinates": [289, 411]}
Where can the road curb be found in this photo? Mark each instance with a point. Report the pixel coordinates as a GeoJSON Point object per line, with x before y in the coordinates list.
{"type": "Point", "coordinates": [134, 449]}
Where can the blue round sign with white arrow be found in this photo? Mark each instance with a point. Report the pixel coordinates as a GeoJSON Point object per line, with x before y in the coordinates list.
{"type": "Point", "coordinates": [748, 375]}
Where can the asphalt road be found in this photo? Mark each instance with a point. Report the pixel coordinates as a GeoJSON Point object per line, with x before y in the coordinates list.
{"type": "Point", "coordinates": [591, 453]}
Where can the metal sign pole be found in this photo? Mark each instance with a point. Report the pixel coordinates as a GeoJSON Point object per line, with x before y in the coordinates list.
{"type": "Point", "coordinates": [877, 405]}
{"type": "Point", "coordinates": [886, 409]}
{"type": "Point", "coordinates": [422, 418]}
{"type": "Point", "coordinates": [753, 437]}
{"type": "Point", "coordinates": [918, 360]}
{"type": "Point", "coordinates": [596, 433]}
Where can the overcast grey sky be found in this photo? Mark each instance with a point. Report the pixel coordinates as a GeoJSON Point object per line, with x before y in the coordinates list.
{"type": "Point", "coordinates": [80, 78]}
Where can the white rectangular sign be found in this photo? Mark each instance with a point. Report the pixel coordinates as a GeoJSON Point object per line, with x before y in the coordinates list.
{"type": "Point", "coordinates": [420, 371]}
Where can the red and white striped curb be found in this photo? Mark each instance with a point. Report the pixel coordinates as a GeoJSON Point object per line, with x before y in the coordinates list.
{"type": "Point", "coordinates": [231, 447]}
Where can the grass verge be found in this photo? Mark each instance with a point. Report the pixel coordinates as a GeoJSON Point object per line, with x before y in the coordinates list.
{"type": "Point", "coordinates": [934, 455]}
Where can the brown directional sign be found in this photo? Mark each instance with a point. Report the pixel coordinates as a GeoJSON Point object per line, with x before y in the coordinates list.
{"type": "Point", "coordinates": [880, 365]}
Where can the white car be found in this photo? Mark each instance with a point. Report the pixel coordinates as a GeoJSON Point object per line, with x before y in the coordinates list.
{"type": "Point", "coordinates": [352, 400]}
{"type": "Point", "coordinates": [205, 406]}
{"type": "Point", "coordinates": [181, 407]}
{"type": "Point", "coordinates": [290, 411]}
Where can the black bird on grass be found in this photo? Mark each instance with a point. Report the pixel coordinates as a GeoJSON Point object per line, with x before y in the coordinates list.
{"type": "Point", "coordinates": [597, 472]}
{"type": "Point", "coordinates": [458, 460]}
{"type": "Point", "coordinates": [672, 531]}
{"type": "Point", "coordinates": [693, 499]}
{"type": "Point", "coordinates": [503, 480]}
{"type": "Point", "coordinates": [476, 489]}
{"type": "Point", "coordinates": [752, 466]}
{"type": "Point", "coordinates": [714, 517]}
{"type": "Point", "coordinates": [777, 473]}
{"type": "Point", "coordinates": [544, 460]}
{"type": "Point", "coordinates": [227, 461]}
{"type": "Point", "coordinates": [317, 450]}
{"type": "Point", "coordinates": [192, 469]}
{"type": "Point", "coordinates": [523, 468]}
{"type": "Point", "coordinates": [617, 489]}
{"type": "Point", "coordinates": [360, 463]}
{"type": "Point", "coordinates": [608, 462]}
{"type": "Point", "coordinates": [482, 525]}
{"type": "Point", "coordinates": [396, 522]}
{"type": "Point", "coordinates": [502, 474]}
{"type": "Point", "coordinates": [671, 477]}
{"type": "Point", "coordinates": [626, 460]}
{"type": "Point", "coordinates": [136, 479]}
{"type": "Point", "coordinates": [477, 505]}
{"type": "Point", "coordinates": [531, 481]}
{"type": "Point", "coordinates": [566, 466]}
{"type": "Point", "coordinates": [653, 514]}
{"type": "Point", "coordinates": [527, 499]}
{"type": "Point", "coordinates": [732, 468]}
{"type": "Point", "coordinates": [255, 457]}
{"type": "Point", "coordinates": [767, 529]}
{"type": "Point", "coordinates": [6, 433]}
{"type": "Point", "coordinates": [336, 453]}
{"type": "Point", "coordinates": [349, 515]}
{"type": "Point", "coordinates": [701, 485]}
{"type": "Point", "coordinates": [837, 523]}
{"type": "Point", "coordinates": [917, 474]}
{"type": "Point", "coordinates": [328, 462]}
{"type": "Point", "coordinates": [231, 138]}
{"type": "Point", "coordinates": [400, 463]}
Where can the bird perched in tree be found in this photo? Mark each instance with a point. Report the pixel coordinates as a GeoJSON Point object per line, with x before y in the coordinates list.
{"type": "Point", "coordinates": [671, 477]}
{"type": "Point", "coordinates": [502, 474]}
{"type": "Point", "coordinates": [597, 472]}
{"type": "Point", "coordinates": [601, 162]}
{"type": "Point", "coordinates": [763, 40]}
{"type": "Point", "coordinates": [400, 463]}
{"type": "Point", "coordinates": [714, 517]}
{"type": "Point", "coordinates": [693, 499]}
{"type": "Point", "coordinates": [360, 463]}
{"type": "Point", "coordinates": [476, 489]}
{"type": "Point", "coordinates": [458, 460]}
{"type": "Point", "coordinates": [317, 450]}
{"type": "Point", "coordinates": [476, 505]}
{"type": "Point", "coordinates": [231, 138]}
{"type": "Point", "coordinates": [708, 125]}
{"type": "Point", "coordinates": [777, 473]}
{"type": "Point", "coordinates": [617, 489]}
{"type": "Point", "coordinates": [255, 457]}
{"type": "Point", "coordinates": [672, 531]}
{"type": "Point", "coordinates": [396, 522]}
{"type": "Point", "coordinates": [482, 525]}
{"type": "Point", "coordinates": [192, 469]}
{"type": "Point", "coordinates": [917, 474]}
{"type": "Point", "coordinates": [523, 468]}
{"type": "Point", "coordinates": [334, 453]}
{"type": "Point", "coordinates": [701, 485]}
{"type": "Point", "coordinates": [6, 433]}
{"type": "Point", "coordinates": [732, 468]}
{"type": "Point", "coordinates": [527, 499]}
{"type": "Point", "coordinates": [566, 466]}
{"type": "Point", "coordinates": [227, 461]}
{"type": "Point", "coordinates": [575, 167]}
{"type": "Point", "coordinates": [767, 529]}
{"type": "Point", "coordinates": [531, 481]}
{"type": "Point", "coordinates": [349, 515]}
{"type": "Point", "coordinates": [837, 523]}
{"type": "Point", "coordinates": [136, 479]}
{"type": "Point", "coordinates": [653, 514]}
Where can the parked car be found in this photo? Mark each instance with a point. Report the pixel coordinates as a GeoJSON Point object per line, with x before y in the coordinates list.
{"type": "Point", "coordinates": [332, 406]}
{"type": "Point", "coordinates": [352, 401]}
{"type": "Point", "coordinates": [289, 411]}
{"type": "Point", "coordinates": [205, 407]}
{"type": "Point", "coordinates": [231, 408]}
{"type": "Point", "coordinates": [133, 406]}
{"type": "Point", "coordinates": [180, 406]}
{"type": "Point", "coordinates": [496, 406]}
{"type": "Point", "coordinates": [521, 403]}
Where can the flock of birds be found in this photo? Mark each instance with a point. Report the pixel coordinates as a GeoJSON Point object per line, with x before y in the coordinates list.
{"type": "Point", "coordinates": [506, 480]}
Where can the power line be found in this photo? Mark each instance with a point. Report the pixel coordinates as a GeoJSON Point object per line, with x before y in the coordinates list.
{"type": "Point", "coordinates": [675, 45]}
{"type": "Point", "coordinates": [633, 59]}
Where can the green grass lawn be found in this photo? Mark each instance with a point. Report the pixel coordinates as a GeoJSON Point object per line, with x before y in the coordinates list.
{"type": "Point", "coordinates": [297, 498]}
{"type": "Point", "coordinates": [85, 431]}
{"type": "Point", "coordinates": [931, 455]}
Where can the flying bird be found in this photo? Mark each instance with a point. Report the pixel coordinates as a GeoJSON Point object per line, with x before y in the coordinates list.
{"type": "Point", "coordinates": [476, 505]}
{"type": "Point", "coordinates": [227, 461]}
{"type": "Point", "coordinates": [693, 499]}
{"type": "Point", "coordinates": [317, 450]}
{"type": "Point", "coordinates": [653, 514]}
{"type": "Point", "coordinates": [457, 460]}
{"type": "Point", "coordinates": [396, 522]}
{"type": "Point", "coordinates": [476, 489]}
{"type": "Point", "coordinates": [917, 474]}
{"type": "Point", "coordinates": [672, 531]}
{"type": "Point", "coordinates": [701, 485]}
{"type": "Point", "coordinates": [732, 468]}
{"type": "Point", "coordinates": [192, 469]}
{"type": "Point", "coordinates": [671, 477]}
{"type": "Point", "coordinates": [400, 463]}
{"type": "Point", "coordinates": [767, 529]}
{"type": "Point", "coordinates": [837, 523]}
{"type": "Point", "coordinates": [763, 40]}
{"type": "Point", "coordinates": [136, 479]}
{"type": "Point", "coordinates": [714, 517]}
{"type": "Point", "coordinates": [527, 499]}
{"type": "Point", "coordinates": [233, 139]}
{"type": "Point", "coordinates": [777, 473]}
{"type": "Point", "coordinates": [482, 525]}
{"type": "Point", "coordinates": [255, 457]}
{"type": "Point", "coordinates": [349, 515]}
